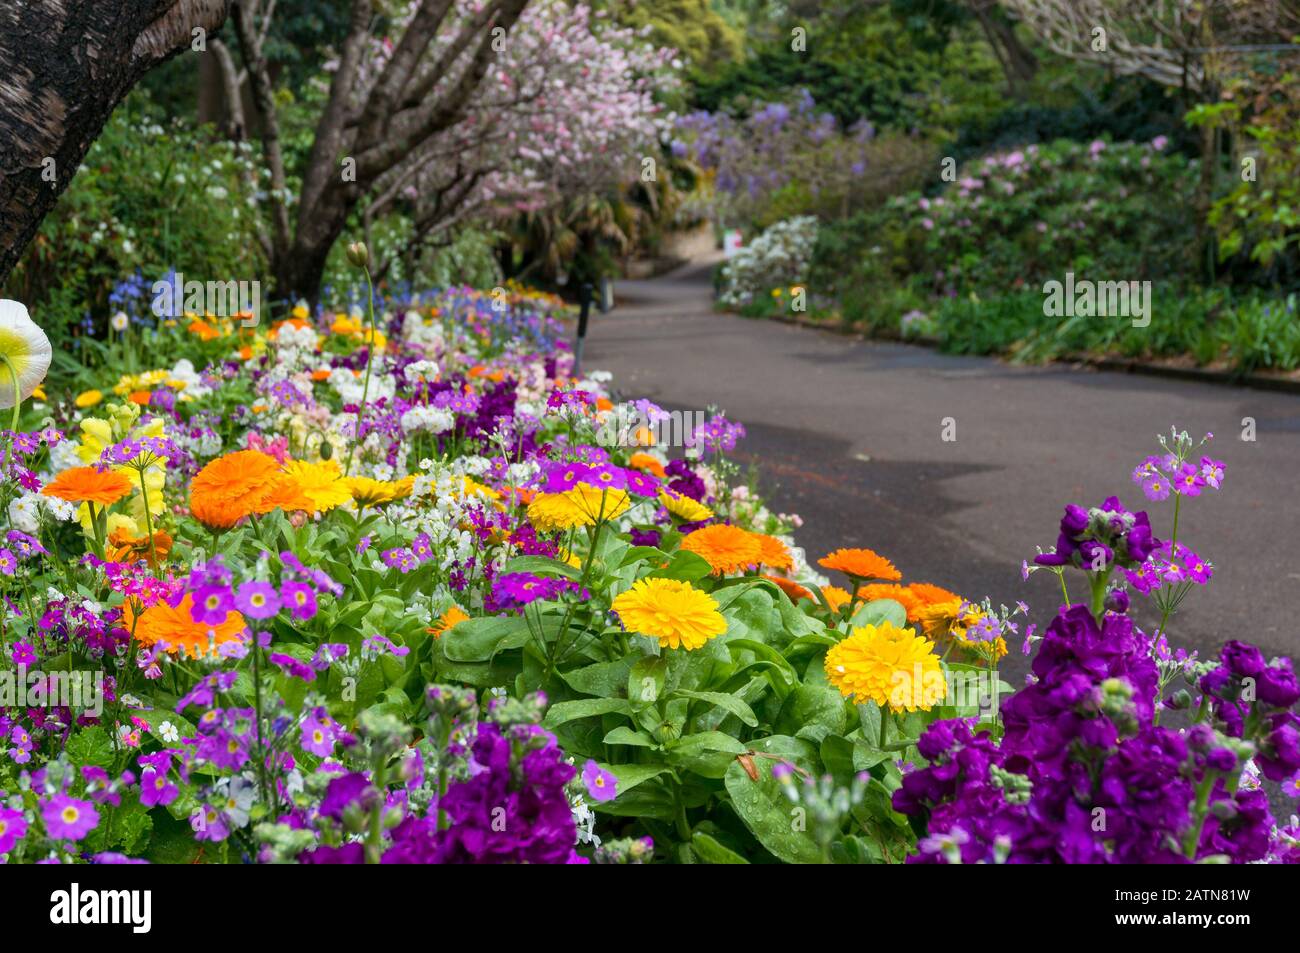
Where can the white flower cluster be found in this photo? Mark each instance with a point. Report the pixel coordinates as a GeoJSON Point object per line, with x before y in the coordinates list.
{"type": "Point", "coordinates": [417, 329]}
{"type": "Point", "coordinates": [423, 417]}
{"type": "Point", "coordinates": [25, 511]}
{"type": "Point", "coordinates": [777, 258]}
{"type": "Point", "coordinates": [350, 388]}
{"type": "Point", "coordinates": [421, 371]}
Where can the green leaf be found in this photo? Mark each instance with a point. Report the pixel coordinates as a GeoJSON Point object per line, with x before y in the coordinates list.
{"type": "Point", "coordinates": [631, 775]}
{"type": "Point", "coordinates": [880, 610]}
{"type": "Point", "coordinates": [728, 703]}
{"type": "Point", "coordinates": [645, 682]}
{"type": "Point", "coordinates": [706, 741]}
{"type": "Point", "coordinates": [623, 735]}
{"type": "Point", "coordinates": [686, 566]}
{"type": "Point", "coordinates": [603, 679]}
{"type": "Point", "coordinates": [562, 712]}
{"type": "Point", "coordinates": [478, 640]}
{"type": "Point", "coordinates": [711, 852]}
{"type": "Point", "coordinates": [91, 746]}
{"type": "Point", "coordinates": [542, 566]}
{"type": "Point", "coordinates": [763, 806]}
{"type": "Point", "coordinates": [812, 705]}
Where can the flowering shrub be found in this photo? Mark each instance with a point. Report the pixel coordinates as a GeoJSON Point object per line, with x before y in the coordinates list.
{"type": "Point", "coordinates": [393, 587]}
{"type": "Point", "coordinates": [1024, 216]}
{"type": "Point", "coordinates": [779, 256]}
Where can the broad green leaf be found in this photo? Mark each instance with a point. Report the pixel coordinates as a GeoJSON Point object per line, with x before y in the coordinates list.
{"type": "Point", "coordinates": [563, 712]}
{"type": "Point", "coordinates": [623, 735]}
{"type": "Point", "coordinates": [603, 679]}
{"type": "Point", "coordinates": [478, 640]}
{"type": "Point", "coordinates": [645, 682]}
{"type": "Point", "coordinates": [880, 610]}
{"type": "Point", "coordinates": [728, 703]}
{"type": "Point", "coordinates": [763, 806]}
{"type": "Point", "coordinates": [706, 741]}
{"type": "Point", "coordinates": [711, 852]}
{"type": "Point", "coordinates": [542, 566]}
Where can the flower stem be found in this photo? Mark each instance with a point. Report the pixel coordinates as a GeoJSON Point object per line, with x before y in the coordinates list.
{"type": "Point", "coordinates": [370, 358]}
{"type": "Point", "coordinates": [148, 519]}
{"type": "Point", "coordinates": [18, 394]}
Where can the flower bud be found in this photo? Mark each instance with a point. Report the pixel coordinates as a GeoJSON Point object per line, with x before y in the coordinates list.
{"type": "Point", "coordinates": [358, 254]}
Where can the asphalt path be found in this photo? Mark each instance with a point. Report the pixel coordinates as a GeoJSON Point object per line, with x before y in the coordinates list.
{"type": "Point", "coordinates": [849, 434]}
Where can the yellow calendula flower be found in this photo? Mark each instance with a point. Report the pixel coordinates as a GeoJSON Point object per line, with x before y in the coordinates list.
{"type": "Point", "coordinates": [147, 380]}
{"type": "Point", "coordinates": [683, 507]}
{"type": "Point", "coordinates": [448, 621]}
{"type": "Point", "coordinates": [88, 398]}
{"type": "Point", "coordinates": [954, 619]}
{"type": "Point", "coordinates": [890, 666]}
{"type": "Point", "coordinates": [597, 503]}
{"type": "Point", "coordinates": [672, 611]}
{"type": "Point", "coordinates": [555, 511]}
{"type": "Point", "coordinates": [321, 483]}
{"type": "Point", "coordinates": [368, 492]}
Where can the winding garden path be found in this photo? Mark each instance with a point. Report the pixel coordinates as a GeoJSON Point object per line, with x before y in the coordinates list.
{"type": "Point", "coordinates": [848, 434]}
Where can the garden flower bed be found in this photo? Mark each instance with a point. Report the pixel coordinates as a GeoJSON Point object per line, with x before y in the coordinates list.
{"type": "Point", "coordinates": [396, 585]}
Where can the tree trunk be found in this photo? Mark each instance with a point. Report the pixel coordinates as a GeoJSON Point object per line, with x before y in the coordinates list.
{"type": "Point", "coordinates": [1018, 61]}
{"type": "Point", "coordinates": [64, 67]}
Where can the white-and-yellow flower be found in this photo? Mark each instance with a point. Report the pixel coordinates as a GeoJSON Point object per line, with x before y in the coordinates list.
{"type": "Point", "coordinates": [27, 350]}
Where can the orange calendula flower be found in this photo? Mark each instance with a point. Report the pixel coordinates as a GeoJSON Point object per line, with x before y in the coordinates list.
{"type": "Point", "coordinates": [285, 495]}
{"type": "Point", "coordinates": [790, 588]}
{"type": "Point", "coordinates": [892, 590]}
{"type": "Point", "coordinates": [231, 487]}
{"type": "Point", "coordinates": [727, 549]}
{"type": "Point", "coordinates": [321, 374]}
{"type": "Point", "coordinates": [861, 564]}
{"type": "Point", "coordinates": [203, 331]}
{"type": "Point", "coordinates": [775, 553]}
{"type": "Point", "coordinates": [448, 621]}
{"type": "Point", "coordinates": [141, 397]}
{"type": "Point", "coordinates": [836, 597]}
{"type": "Point", "coordinates": [175, 627]}
{"type": "Point", "coordinates": [125, 548]}
{"type": "Point", "coordinates": [88, 485]}
{"type": "Point", "coordinates": [647, 463]}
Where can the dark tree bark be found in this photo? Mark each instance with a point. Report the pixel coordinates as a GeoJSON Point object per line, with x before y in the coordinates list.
{"type": "Point", "coordinates": [64, 67]}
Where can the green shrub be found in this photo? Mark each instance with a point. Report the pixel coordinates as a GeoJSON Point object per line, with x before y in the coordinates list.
{"type": "Point", "coordinates": [136, 208]}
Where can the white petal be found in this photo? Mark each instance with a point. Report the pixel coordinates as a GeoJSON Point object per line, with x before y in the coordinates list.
{"type": "Point", "coordinates": [26, 346]}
